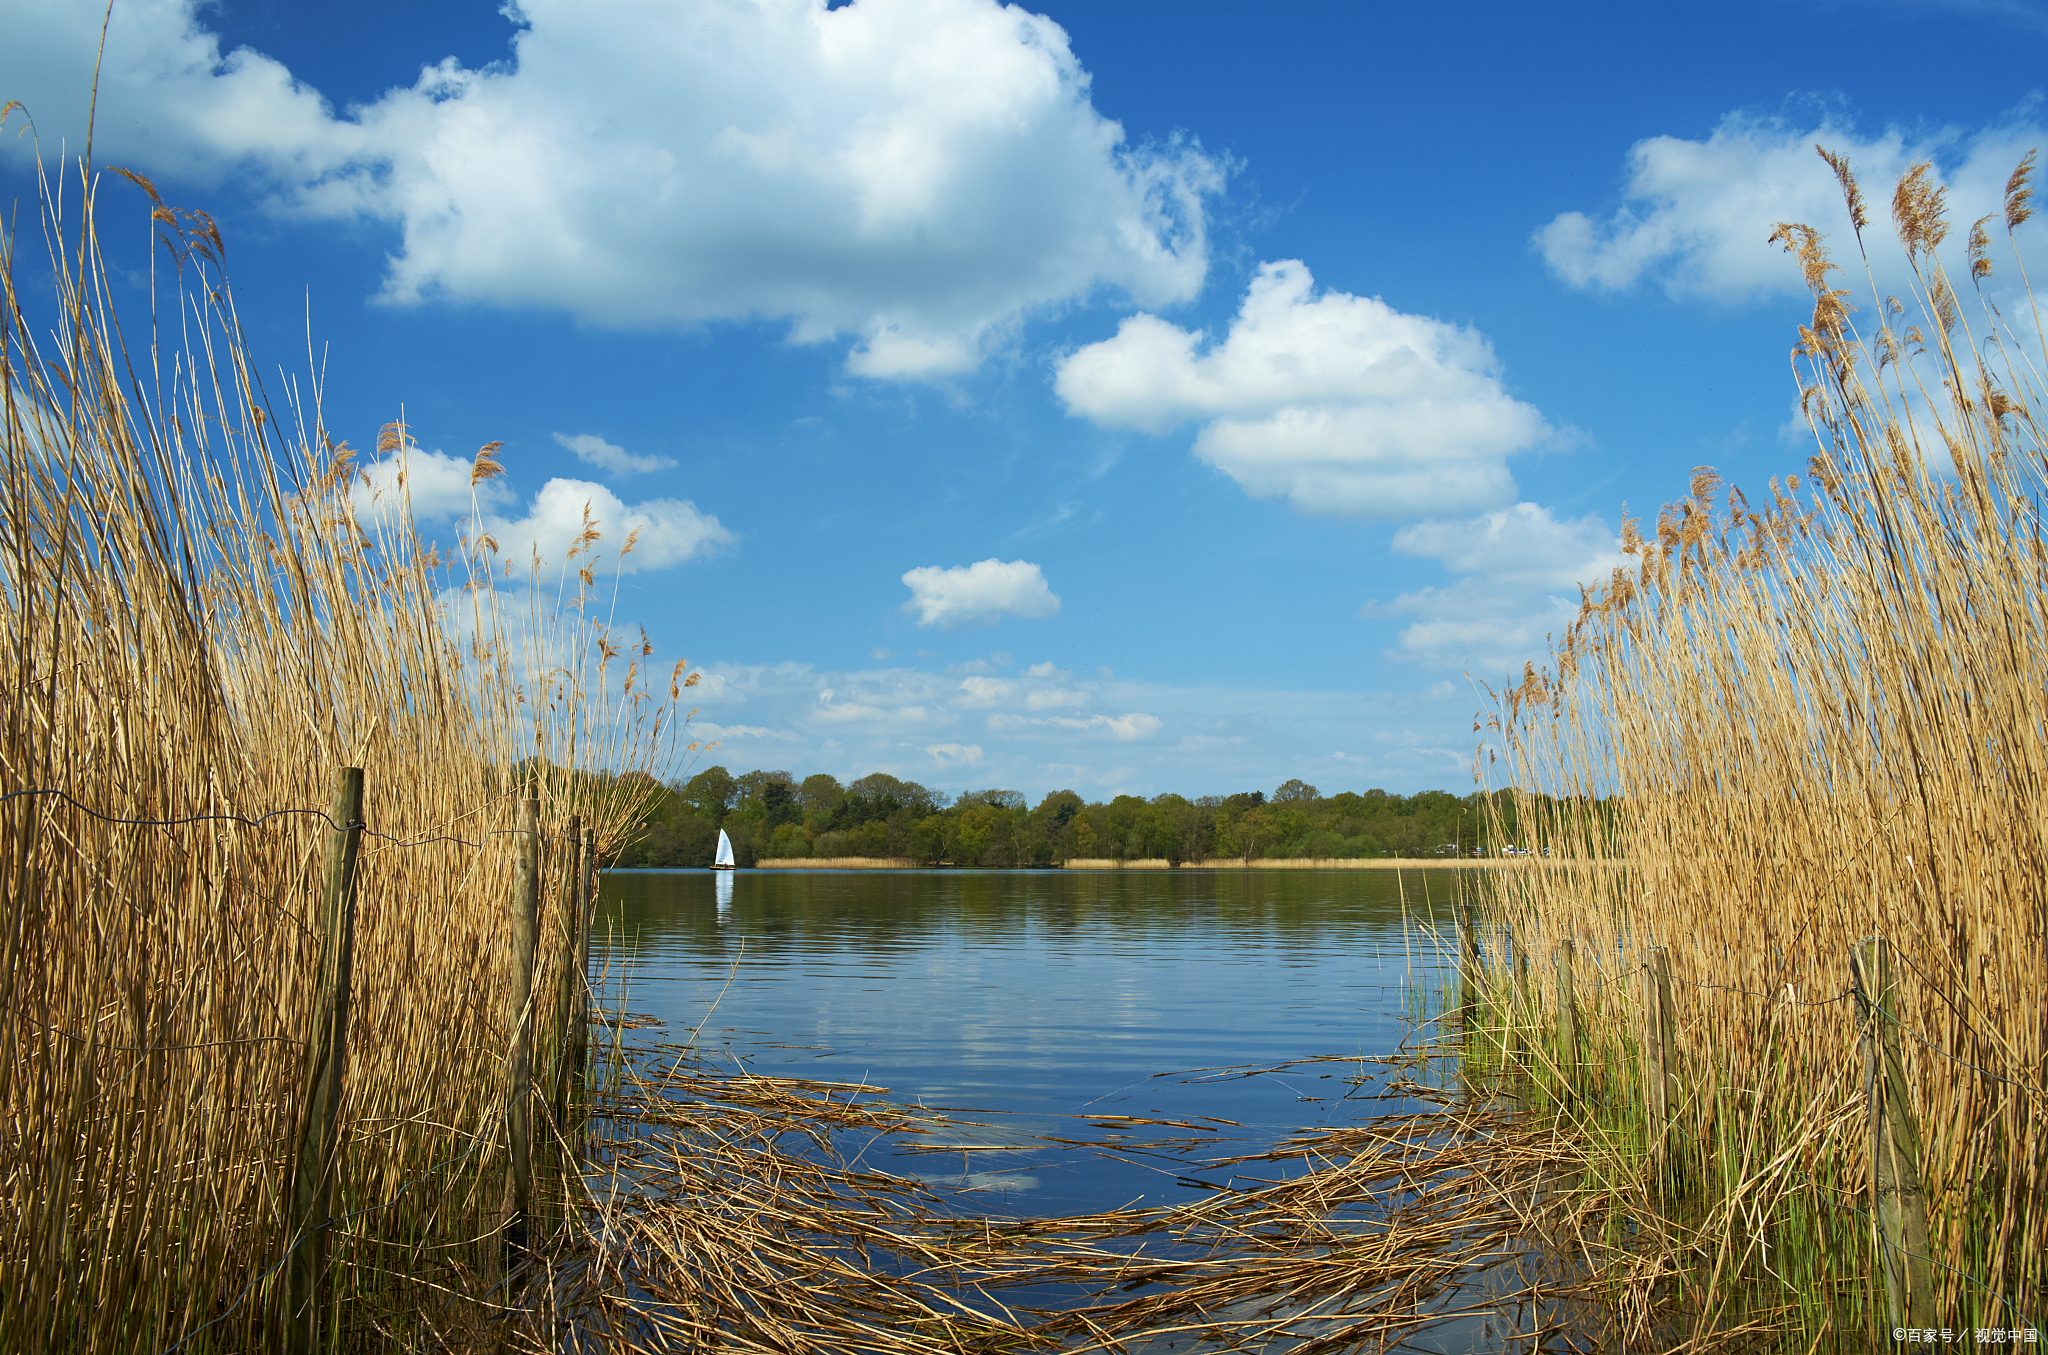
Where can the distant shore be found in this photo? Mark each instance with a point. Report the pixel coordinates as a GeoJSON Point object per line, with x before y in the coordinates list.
{"type": "Point", "coordinates": [1161, 863]}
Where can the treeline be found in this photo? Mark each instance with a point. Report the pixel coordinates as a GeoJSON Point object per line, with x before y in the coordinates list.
{"type": "Point", "coordinates": [771, 814]}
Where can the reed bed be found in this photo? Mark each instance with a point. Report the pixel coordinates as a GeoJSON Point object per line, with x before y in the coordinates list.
{"type": "Point", "coordinates": [723, 1211]}
{"type": "Point", "coordinates": [205, 621]}
{"type": "Point", "coordinates": [1789, 725]}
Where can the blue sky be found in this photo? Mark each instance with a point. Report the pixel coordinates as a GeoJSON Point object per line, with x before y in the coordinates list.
{"type": "Point", "coordinates": [1128, 397]}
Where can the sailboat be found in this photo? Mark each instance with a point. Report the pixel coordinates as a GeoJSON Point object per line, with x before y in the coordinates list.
{"type": "Point", "coordinates": [724, 861]}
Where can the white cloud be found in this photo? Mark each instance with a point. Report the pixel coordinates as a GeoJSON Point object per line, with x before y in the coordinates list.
{"type": "Point", "coordinates": [435, 484]}
{"type": "Point", "coordinates": [705, 730]}
{"type": "Point", "coordinates": [982, 591]}
{"type": "Point", "coordinates": [1340, 403]}
{"type": "Point", "coordinates": [1696, 216]}
{"type": "Point", "coordinates": [1521, 567]}
{"type": "Point", "coordinates": [1195, 740]}
{"type": "Point", "coordinates": [671, 530]}
{"type": "Point", "coordinates": [1476, 627]}
{"type": "Point", "coordinates": [595, 451]}
{"type": "Point", "coordinates": [982, 691]}
{"type": "Point", "coordinates": [916, 174]}
{"type": "Point", "coordinates": [1133, 725]}
{"type": "Point", "coordinates": [1039, 670]}
{"type": "Point", "coordinates": [170, 101]}
{"type": "Point", "coordinates": [1519, 547]}
{"type": "Point", "coordinates": [853, 712]}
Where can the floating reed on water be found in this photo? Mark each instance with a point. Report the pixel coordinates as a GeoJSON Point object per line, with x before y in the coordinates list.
{"type": "Point", "coordinates": [1798, 722]}
{"type": "Point", "coordinates": [723, 1213]}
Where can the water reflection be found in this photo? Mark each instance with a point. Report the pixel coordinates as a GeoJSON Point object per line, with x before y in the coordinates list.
{"type": "Point", "coordinates": [1052, 1004]}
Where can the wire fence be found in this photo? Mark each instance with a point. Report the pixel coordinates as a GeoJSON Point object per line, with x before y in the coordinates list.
{"type": "Point", "coordinates": [302, 1236]}
{"type": "Point", "coordinates": [256, 822]}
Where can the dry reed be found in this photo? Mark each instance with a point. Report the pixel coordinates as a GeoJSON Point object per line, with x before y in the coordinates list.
{"type": "Point", "coordinates": [205, 622]}
{"type": "Point", "coordinates": [723, 1213]}
{"type": "Point", "coordinates": [1798, 722]}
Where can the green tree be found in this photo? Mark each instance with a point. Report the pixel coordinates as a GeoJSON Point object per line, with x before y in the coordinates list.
{"type": "Point", "coordinates": [711, 793]}
{"type": "Point", "coordinates": [820, 797]}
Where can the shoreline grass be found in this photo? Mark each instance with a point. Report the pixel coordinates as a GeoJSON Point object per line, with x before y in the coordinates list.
{"type": "Point", "coordinates": [207, 618]}
{"type": "Point", "coordinates": [1822, 719]}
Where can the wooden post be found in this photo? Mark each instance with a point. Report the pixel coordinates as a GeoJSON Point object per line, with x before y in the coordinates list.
{"type": "Point", "coordinates": [518, 1207]}
{"type": "Point", "coordinates": [565, 990]}
{"type": "Point", "coordinates": [314, 1156]}
{"type": "Point", "coordinates": [1521, 987]}
{"type": "Point", "coordinates": [586, 910]}
{"type": "Point", "coordinates": [1662, 1090]}
{"type": "Point", "coordinates": [1468, 967]}
{"type": "Point", "coordinates": [1898, 1201]}
{"type": "Point", "coordinates": [1567, 1018]}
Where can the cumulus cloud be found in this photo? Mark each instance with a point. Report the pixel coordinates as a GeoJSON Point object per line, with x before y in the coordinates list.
{"type": "Point", "coordinates": [670, 530]}
{"type": "Point", "coordinates": [1476, 627]}
{"type": "Point", "coordinates": [1135, 725]}
{"type": "Point", "coordinates": [954, 754]}
{"type": "Point", "coordinates": [1520, 547]}
{"type": "Point", "coordinates": [982, 691]}
{"type": "Point", "coordinates": [916, 174]}
{"type": "Point", "coordinates": [595, 451]}
{"type": "Point", "coordinates": [435, 485]}
{"type": "Point", "coordinates": [1339, 403]}
{"type": "Point", "coordinates": [1696, 216]}
{"type": "Point", "coordinates": [982, 591]}
{"type": "Point", "coordinates": [1521, 569]}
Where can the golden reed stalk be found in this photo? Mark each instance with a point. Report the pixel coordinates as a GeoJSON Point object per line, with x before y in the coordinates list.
{"type": "Point", "coordinates": [1812, 720]}
{"type": "Point", "coordinates": [200, 623]}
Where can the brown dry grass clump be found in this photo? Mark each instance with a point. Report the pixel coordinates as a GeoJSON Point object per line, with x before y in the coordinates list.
{"type": "Point", "coordinates": [203, 624]}
{"type": "Point", "coordinates": [1813, 718]}
{"type": "Point", "coordinates": [726, 1212]}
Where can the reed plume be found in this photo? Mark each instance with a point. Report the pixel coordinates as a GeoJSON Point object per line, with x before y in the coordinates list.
{"type": "Point", "coordinates": [1787, 728]}
{"type": "Point", "coordinates": [202, 627]}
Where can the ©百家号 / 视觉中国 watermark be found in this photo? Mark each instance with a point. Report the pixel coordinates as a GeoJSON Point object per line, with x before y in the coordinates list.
{"type": "Point", "coordinates": [1985, 1336]}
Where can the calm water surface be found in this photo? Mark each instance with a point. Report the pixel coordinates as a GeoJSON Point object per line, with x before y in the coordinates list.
{"type": "Point", "coordinates": [1036, 1000]}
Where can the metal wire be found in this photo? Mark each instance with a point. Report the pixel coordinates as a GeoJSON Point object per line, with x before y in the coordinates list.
{"type": "Point", "coordinates": [261, 819]}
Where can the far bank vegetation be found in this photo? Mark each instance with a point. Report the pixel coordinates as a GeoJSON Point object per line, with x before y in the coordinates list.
{"type": "Point", "coordinates": [771, 815]}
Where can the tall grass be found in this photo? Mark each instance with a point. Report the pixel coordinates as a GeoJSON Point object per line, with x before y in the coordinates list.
{"type": "Point", "coordinates": [205, 620]}
{"type": "Point", "coordinates": [1817, 717]}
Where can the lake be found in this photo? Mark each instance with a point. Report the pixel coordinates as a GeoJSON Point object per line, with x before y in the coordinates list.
{"type": "Point", "coordinates": [1035, 1002]}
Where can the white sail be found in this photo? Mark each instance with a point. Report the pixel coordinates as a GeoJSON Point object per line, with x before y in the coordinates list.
{"type": "Point", "coordinates": [724, 861]}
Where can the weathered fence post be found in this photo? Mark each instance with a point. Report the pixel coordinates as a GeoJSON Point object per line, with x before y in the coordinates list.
{"type": "Point", "coordinates": [1898, 1202]}
{"type": "Point", "coordinates": [565, 989]}
{"type": "Point", "coordinates": [586, 910]}
{"type": "Point", "coordinates": [1469, 982]}
{"type": "Point", "coordinates": [518, 1207]}
{"type": "Point", "coordinates": [315, 1153]}
{"type": "Point", "coordinates": [1567, 1018]}
{"type": "Point", "coordinates": [1522, 1005]}
{"type": "Point", "coordinates": [1662, 1089]}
